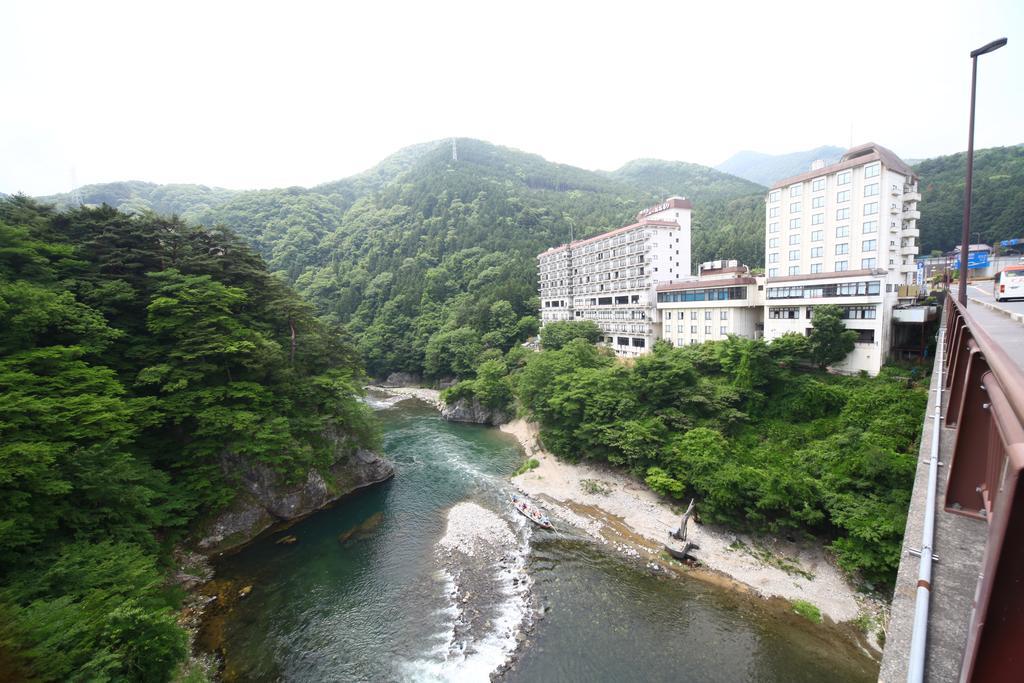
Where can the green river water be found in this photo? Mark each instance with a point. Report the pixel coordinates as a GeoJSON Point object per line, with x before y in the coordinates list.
{"type": "Point", "coordinates": [376, 604]}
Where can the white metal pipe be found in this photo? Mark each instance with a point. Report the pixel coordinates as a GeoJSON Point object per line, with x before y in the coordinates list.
{"type": "Point", "coordinates": [915, 670]}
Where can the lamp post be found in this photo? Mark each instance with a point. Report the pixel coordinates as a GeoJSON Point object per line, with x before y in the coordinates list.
{"type": "Point", "coordinates": [965, 237]}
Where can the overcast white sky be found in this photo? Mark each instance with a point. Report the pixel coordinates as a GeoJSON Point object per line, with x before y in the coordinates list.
{"type": "Point", "coordinates": [254, 95]}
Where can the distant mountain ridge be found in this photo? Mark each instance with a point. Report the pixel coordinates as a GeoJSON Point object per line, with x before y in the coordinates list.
{"type": "Point", "coordinates": [767, 169]}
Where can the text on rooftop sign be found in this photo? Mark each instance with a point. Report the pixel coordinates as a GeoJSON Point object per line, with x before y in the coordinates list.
{"type": "Point", "coordinates": [654, 209]}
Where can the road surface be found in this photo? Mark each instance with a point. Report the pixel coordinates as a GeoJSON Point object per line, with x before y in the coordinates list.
{"type": "Point", "coordinates": [984, 292]}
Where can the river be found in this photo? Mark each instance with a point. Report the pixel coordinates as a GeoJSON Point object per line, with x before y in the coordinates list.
{"type": "Point", "coordinates": [364, 594]}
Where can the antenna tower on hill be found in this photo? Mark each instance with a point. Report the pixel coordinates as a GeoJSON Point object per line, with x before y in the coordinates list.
{"type": "Point", "coordinates": [76, 193]}
{"type": "Point", "coordinates": [455, 151]}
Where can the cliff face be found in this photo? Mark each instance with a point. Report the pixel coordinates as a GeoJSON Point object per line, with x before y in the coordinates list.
{"type": "Point", "coordinates": [264, 499]}
{"type": "Point", "coordinates": [470, 410]}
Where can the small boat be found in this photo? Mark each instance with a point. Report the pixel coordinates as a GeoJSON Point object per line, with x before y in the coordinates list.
{"type": "Point", "coordinates": [531, 512]}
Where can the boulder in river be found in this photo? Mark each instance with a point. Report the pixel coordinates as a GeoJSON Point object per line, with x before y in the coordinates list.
{"type": "Point", "coordinates": [471, 410]}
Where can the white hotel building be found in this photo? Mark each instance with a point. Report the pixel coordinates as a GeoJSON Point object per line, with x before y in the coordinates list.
{"type": "Point", "coordinates": [844, 234]}
{"type": "Point", "coordinates": [611, 278]}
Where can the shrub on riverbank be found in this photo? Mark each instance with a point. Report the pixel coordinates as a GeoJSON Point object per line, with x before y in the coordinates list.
{"type": "Point", "coordinates": [764, 445]}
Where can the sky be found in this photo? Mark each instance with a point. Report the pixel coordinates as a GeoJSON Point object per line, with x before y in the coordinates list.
{"type": "Point", "coordinates": [255, 95]}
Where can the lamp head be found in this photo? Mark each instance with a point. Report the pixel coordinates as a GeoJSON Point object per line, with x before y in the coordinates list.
{"type": "Point", "coordinates": [991, 47]}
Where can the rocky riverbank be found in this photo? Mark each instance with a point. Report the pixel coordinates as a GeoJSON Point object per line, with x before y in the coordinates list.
{"type": "Point", "coordinates": [430, 396]}
{"type": "Point", "coordinates": [614, 508]}
{"type": "Point", "coordinates": [264, 499]}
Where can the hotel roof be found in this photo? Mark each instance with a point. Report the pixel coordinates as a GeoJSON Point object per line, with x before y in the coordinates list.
{"type": "Point", "coordinates": [706, 284]}
{"type": "Point", "coordinates": [855, 156]}
{"type": "Point", "coordinates": [612, 233]}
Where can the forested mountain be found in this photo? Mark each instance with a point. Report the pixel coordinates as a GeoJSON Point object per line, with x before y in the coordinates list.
{"type": "Point", "coordinates": [423, 245]}
{"type": "Point", "coordinates": [767, 169]}
{"type": "Point", "coordinates": [136, 354]}
{"type": "Point", "coordinates": [998, 197]}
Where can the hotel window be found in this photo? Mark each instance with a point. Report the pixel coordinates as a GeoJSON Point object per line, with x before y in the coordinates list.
{"type": "Point", "coordinates": [783, 313]}
{"type": "Point", "coordinates": [868, 263]}
{"type": "Point", "coordinates": [796, 190]}
{"type": "Point", "coordinates": [817, 252]}
{"type": "Point", "coordinates": [668, 315]}
{"type": "Point", "coordinates": [841, 266]}
{"type": "Point", "coordinates": [773, 272]}
{"type": "Point", "coordinates": [843, 214]}
{"type": "Point", "coordinates": [817, 219]}
{"type": "Point", "coordinates": [870, 208]}
{"type": "Point", "coordinates": [843, 178]}
{"type": "Point", "coordinates": [794, 270]}
{"type": "Point", "coordinates": [707, 329]}
{"type": "Point", "coordinates": [869, 245]}
{"type": "Point", "coordinates": [815, 267]}
{"type": "Point", "coordinates": [693, 315]}
{"type": "Point", "coordinates": [871, 190]}
{"type": "Point", "coordinates": [843, 248]}
{"type": "Point", "coordinates": [795, 207]}
{"type": "Point", "coordinates": [773, 212]}
{"type": "Point", "coordinates": [818, 185]}
{"type": "Point", "coordinates": [721, 330]}
{"type": "Point", "coordinates": [817, 202]}
{"type": "Point", "coordinates": [723, 315]}
{"type": "Point", "coordinates": [693, 329]}
{"type": "Point", "coordinates": [870, 227]}
{"type": "Point", "coordinates": [773, 227]}
{"type": "Point", "coordinates": [843, 196]}
{"type": "Point", "coordinates": [794, 238]}
{"type": "Point", "coordinates": [794, 223]}
{"type": "Point", "coordinates": [794, 254]}
{"type": "Point", "coordinates": [843, 231]}
{"type": "Point", "coordinates": [872, 170]}
{"type": "Point", "coordinates": [817, 235]}
{"type": "Point", "coordinates": [773, 258]}
{"type": "Point", "coordinates": [668, 328]}
{"type": "Point", "coordinates": [773, 243]}
{"type": "Point", "coordinates": [707, 315]}
{"type": "Point", "coordinates": [773, 196]}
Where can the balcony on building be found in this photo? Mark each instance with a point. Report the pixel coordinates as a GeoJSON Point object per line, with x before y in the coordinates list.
{"type": "Point", "coordinates": [912, 215]}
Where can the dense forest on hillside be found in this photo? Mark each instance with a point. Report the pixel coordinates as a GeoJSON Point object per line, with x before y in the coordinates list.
{"type": "Point", "coordinates": [135, 352]}
{"type": "Point", "coordinates": [423, 245]}
{"type": "Point", "coordinates": [762, 438]}
{"type": "Point", "coordinates": [998, 198]}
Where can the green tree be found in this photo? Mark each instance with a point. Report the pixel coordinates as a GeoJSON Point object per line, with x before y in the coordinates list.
{"type": "Point", "coordinates": [555, 335]}
{"type": "Point", "coordinates": [829, 341]}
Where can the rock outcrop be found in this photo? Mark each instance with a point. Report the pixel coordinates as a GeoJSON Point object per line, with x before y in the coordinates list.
{"type": "Point", "coordinates": [264, 498]}
{"type": "Point", "coordinates": [470, 410]}
{"type": "Point", "coordinates": [402, 379]}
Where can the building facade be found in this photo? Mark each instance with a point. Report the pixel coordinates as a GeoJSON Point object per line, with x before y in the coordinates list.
{"type": "Point", "coordinates": [611, 278]}
{"type": "Point", "coordinates": [724, 300]}
{"type": "Point", "coordinates": [843, 234]}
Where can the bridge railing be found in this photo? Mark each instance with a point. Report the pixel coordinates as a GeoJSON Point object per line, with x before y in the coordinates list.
{"type": "Point", "coordinates": [985, 405]}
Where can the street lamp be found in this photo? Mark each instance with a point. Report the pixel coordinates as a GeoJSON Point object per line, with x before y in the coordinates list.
{"type": "Point", "coordinates": [965, 237]}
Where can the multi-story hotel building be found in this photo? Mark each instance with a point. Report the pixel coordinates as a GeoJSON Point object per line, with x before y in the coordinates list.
{"type": "Point", "coordinates": [725, 299]}
{"type": "Point", "coordinates": [843, 234]}
{"type": "Point", "coordinates": [611, 278]}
